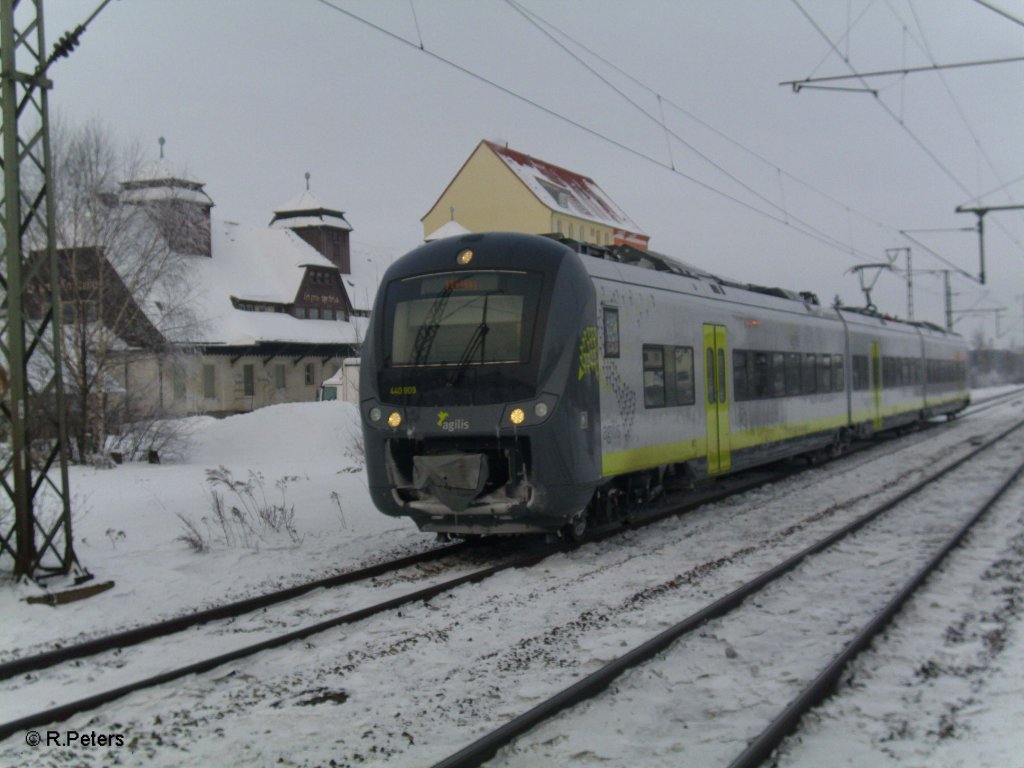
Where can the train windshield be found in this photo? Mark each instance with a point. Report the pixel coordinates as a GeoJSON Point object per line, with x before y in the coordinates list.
{"type": "Point", "coordinates": [462, 318]}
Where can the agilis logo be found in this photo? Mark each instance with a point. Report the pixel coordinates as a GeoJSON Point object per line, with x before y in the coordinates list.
{"type": "Point", "coordinates": [451, 425]}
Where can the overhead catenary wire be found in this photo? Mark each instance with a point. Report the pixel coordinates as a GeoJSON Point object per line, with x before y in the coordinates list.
{"type": "Point", "coordinates": [783, 219]}
{"type": "Point", "coordinates": [787, 218]}
{"type": "Point", "coordinates": [1000, 11]}
{"type": "Point", "coordinates": [924, 147]}
{"type": "Point", "coordinates": [960, 111]}
{"type": "Point", "coordinates": [888, 110]}
{"type": "Point", "coordinates": [721, 134]}
{"type": "Point", "coordinates": [537, 19]}
{"type": "Point", "coordinates": [824, 239]}
{"type": "Point", "coordinates": [917, 140]}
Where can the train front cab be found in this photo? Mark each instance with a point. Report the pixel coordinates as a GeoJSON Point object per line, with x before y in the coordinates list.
{"type": "Point", "coordinates": [466, 433]}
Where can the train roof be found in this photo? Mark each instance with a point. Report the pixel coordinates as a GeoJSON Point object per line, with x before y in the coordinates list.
{"type": "Point", "coordinates": [804, 302]}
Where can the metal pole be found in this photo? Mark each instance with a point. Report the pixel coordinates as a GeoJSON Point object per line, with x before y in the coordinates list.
{"type": "Point", "coordinates": [981, 244]}
{"type": "Point", "coordinates": [910, 288]}
{"type": "Point", "coordinates": [31, 336]}
{"type": "Point", "coordinates": [949, 300]}
{"type": "Point", "coordinates": [24, 528]}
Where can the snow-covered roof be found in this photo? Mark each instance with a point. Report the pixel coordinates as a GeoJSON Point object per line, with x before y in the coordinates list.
{"type": "Point", "coordinates": [448, 229]}
{"type": "Point", "coordinates": [306, 210]}
{"type": "Point", "coordinates": [161, 180]}
{"type": "Point", "coordinates": [256, 264]}
{"type": "Point", "coordinates": [565, 191]}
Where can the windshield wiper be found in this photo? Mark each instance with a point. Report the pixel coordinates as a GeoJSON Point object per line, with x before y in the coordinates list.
{"type": "Point", "coordinates": [427, 332]}
{"type": "Point", "coordinates": [478, 339]}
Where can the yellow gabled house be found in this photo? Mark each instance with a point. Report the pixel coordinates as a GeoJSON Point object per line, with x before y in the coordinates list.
{"type": "Point", "coordinates": [499, 189]}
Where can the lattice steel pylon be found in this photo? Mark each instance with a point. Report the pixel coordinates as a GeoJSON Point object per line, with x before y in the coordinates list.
{"type": "Point", "coordinates": [35, 516]}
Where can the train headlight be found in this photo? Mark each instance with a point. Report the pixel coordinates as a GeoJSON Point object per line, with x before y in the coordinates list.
{"type": "Point", "coordinates": [375, 414]}
{"type": "Point", "coordinates": [540, 410]}
{"type": "Point", "coordinates": [464, 257]}
{"type": "Point", "coordinates": [518, 416]}
{"type": "Point", "coordinates": [394, 419]}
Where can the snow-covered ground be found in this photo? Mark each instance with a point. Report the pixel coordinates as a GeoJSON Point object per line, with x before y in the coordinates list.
{"type": "Point", "coordinates": [943, 689]}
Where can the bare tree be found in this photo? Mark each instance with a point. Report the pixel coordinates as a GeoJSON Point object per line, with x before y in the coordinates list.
{"type": "Point", "coordinates": [123, 254]}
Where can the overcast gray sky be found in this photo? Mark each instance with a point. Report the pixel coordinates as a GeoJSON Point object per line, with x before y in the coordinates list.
{"type": "Point", "coordinates": [746, 178]}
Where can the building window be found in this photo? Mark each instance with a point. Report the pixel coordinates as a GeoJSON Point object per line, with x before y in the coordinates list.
{"type": "Point", "coordinates": [309, 374]}
{"type": "Point", "coordinates": [279, 380]}
{"type": "Point", "coordinates": [248, 380]}
{"type": "Point", "coordinates": [209, 381]}
{"type": "Point", "coordinates": [300, 311]}
{"type": "Point", "coordinates": [178, 382]}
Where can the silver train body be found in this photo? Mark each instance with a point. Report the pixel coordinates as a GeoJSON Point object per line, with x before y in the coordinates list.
{"type": "Point", "coordinates": [515, 383]}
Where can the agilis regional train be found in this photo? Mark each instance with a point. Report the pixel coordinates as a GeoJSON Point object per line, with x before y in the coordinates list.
{"type": "Point", "coordinates": [517, 383]}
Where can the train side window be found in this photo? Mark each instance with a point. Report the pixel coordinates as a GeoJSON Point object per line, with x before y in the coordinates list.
{"type": "Point", "coordinates": [810, 374]}
{"type": "Point", "coordinates": [683, 375]}
{"type": "Point", "coordinates": [792, 373]}
{"type": "Point", "coordinates": [778, 379]}
{"type": "Point", "coordinates": [654, 377]}
{"type": "Point", "coordinates": [825, 373]}
{"type": "Point", "coordinates": [888, 373]}
{"type": "Point", "coordinates": [838, 374]}
{"type": "Point", "coordinates": [861, 381]}
{"type": "Point", "coordinates": [759, 376]}
{"type": "Point", "coordinates": [611, 331]}
{"type": "Point", "coordinates": [739, 375]}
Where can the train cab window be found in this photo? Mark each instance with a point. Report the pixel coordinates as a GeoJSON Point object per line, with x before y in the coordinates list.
{"type": "Point", "coordinates": [461, 318]}
{"type": "Point", "coordinates": [810, 376]}
{"type": "Point", "coordinates": [838, 374]}
{"type": "Point", "coordinates": [682, 375]}
{"type": "Point", "coordinates": [610, 317]}
{"type": "Point", "coordinates": [825, 373]}
{"type": "Point", "coordinates": [740, 379]}
{"type": "Point", "coordinates": [792, 373]}
{"type": "Point", "coordinates": [654, 376]}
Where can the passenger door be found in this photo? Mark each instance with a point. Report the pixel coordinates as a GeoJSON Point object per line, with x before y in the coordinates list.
{"type": "Point", "coordinates": [716, 399]}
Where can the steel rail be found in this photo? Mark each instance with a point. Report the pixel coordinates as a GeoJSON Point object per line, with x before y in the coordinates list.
{"type": "Point", "coordinates": [65, 711]}
{"type": "Point", "coordinates": [487, 746]}
{"type": "Point", "coordinates": [141, 634]}
{"type": "Point", "coordinates": [62, 712]}
{"type": "Point", "coordinates": [153, 631]}
{"type": "Point", "coordinates": [761, 747]}
{"type": "Point", "coordinates": [991, 402]}
{"type": "Point", "coordinates": [136, 635]}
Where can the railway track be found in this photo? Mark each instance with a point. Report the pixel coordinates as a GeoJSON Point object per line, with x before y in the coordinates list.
{"type": "Point", "coordinates": [143, 634]}
{"type": "Point", "coordinates": [135, 635]}
{"type": "Point", "coordinates": [488, 745]}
